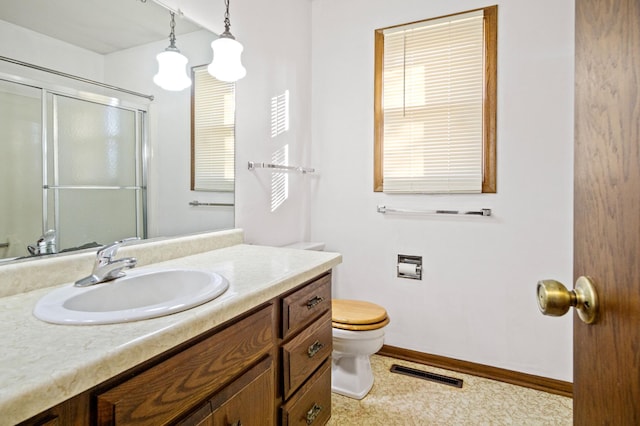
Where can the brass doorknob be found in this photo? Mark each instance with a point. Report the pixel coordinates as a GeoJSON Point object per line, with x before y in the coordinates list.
{"type": "Point", "coordinates": [555, 300]}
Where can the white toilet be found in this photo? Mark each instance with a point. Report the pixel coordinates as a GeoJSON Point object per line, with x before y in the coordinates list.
{"type": "Point", "coordinates": [358, 333]}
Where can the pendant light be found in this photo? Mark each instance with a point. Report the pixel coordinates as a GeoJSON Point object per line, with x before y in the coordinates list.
{"type": "Point", "coordinates": [226, 65]}
{"type": "Point", "coordinates": [172, 65]}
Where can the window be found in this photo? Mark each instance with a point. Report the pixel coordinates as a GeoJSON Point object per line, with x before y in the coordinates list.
{"type": "Point", "coordinates": [212, 132]}
{"type": "Point", "coordinates": [435, 105]}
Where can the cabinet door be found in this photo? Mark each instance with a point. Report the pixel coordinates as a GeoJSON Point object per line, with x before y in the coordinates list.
{"type": "Point", "coordinates": [247, 401]}
{"type": "Point", "coordinates": [72, 412]}
{"type": "Point", "coordinates": [166, 391]}
{"type": "Point", "coordinates": [202, 417]}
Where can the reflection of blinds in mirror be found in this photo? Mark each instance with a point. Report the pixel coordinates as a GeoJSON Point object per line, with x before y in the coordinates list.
{"type": "Point", "coordinates": [213, 133]}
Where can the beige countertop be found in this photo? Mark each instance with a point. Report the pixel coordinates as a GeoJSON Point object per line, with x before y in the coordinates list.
{"type": "Point", "coordinates": [44, 364]}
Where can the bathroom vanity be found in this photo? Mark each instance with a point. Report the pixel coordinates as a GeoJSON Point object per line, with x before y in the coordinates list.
{"type": "Point", "coordinates": [258, 354]}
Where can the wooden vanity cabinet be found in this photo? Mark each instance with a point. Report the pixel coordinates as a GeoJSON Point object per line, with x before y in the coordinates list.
{"type": "Point", "coordinates": [164, 392]}
{"type": "Point", "coordinates": [271, 365]}
{"type": "Point", "coordinates": [211, 377]}
{"type": "Point", "coordinates": [306, 345]}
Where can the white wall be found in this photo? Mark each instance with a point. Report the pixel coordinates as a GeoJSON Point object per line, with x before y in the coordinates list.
{"type": "Point", "coordinates": [476, 301]}
{"type": "Point", "coordinates": [277, 40]}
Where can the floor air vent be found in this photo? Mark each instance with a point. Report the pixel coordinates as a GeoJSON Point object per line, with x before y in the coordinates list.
{"type": "Point", "coordinates": [395, 368]}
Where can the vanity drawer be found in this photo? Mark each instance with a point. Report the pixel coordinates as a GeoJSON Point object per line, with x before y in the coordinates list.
{"type": "Point", "coordinates": [311, 405]}
{"type": "Point", "coordinates": [304, 305]}
{"type": "Point", "coordinates": [167, 390]}
{"type": "Point", "coordinates": [304, 353]}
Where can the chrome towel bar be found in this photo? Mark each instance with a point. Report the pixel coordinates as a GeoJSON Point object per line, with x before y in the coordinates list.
{"type": "Point", "coordinates": [256, 165]}
{"type": "Point", "coordinates": [481, 212]}
{"type": "Point", "coordinates": [197, 203]}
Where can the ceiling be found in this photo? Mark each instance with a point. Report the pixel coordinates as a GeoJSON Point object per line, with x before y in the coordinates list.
{"type": "Point", "coordinates": [102, 26]}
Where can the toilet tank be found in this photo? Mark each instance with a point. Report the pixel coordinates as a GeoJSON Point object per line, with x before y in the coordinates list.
{"type": "Point", "coordinates": [307, 245]}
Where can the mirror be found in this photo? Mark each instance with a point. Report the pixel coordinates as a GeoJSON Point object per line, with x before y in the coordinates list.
{"type": "Point", "coordinates": [115, 43]}
{"type": "Point", "coordinates": [72, 165]}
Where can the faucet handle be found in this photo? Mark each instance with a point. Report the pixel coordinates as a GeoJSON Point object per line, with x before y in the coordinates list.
{"type": "Point", "coordinates": [108, 252]}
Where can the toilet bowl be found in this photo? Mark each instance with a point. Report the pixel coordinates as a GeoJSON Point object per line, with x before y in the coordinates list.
{"type": "Point", "coordinates": [358, 333]}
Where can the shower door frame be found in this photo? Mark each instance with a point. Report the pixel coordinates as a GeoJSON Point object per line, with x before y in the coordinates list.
{"type": "Point", "coordinates": [141, 129]}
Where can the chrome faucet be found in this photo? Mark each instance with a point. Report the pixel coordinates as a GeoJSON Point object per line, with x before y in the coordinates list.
{"type": "Point", "coordinates": [106, 268]}
{"type": "Point", "coordinates": [46, 244]}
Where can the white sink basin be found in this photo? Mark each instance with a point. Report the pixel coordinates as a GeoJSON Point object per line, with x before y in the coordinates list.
{"type": "Point", "coordinates": [139, 295]}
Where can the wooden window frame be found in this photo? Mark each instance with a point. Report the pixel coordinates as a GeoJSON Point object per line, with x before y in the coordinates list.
{"type": "Point", "coordinates": [489, 108]}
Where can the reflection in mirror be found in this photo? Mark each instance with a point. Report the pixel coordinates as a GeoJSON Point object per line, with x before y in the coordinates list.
{"type": "Point", "coordinates": [212, 132]}
{"type": "Point", "coordinates": [94, 189]}
{"type": "Point", "coordinates": [21, 156]}
{"type": "Point", "coordinates": [84, 181]}
{"type": "Point", "coordinates": [74, 169]}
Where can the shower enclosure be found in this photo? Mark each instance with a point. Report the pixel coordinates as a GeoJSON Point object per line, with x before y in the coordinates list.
{"type": "Point", "coordinates": [70, 161]}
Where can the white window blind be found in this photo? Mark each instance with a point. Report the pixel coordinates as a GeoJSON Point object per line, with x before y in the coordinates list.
{"type": "Point", "coordinates": [432, 105]}
{"type": "Point", "coordinates": [213, 133]}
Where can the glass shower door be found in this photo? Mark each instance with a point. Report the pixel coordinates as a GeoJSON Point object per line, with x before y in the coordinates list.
{"type": "Point", "coordinates": [20, 168]}
{"type": "Point", "coordinates": [94, 189]}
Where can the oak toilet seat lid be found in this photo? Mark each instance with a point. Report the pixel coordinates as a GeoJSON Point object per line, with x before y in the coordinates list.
{"type": "Point", "coordinates": [357, 315]}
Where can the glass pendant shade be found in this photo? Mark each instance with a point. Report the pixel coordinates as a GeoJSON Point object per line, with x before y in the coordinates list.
{"type": "Point", "coordinates": [226, 65]}
{"type": "Point", "coordinates": [172, 71]}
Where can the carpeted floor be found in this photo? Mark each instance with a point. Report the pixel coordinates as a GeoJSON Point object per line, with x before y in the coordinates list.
{"type": "Point", "coordinates": [402, 400]}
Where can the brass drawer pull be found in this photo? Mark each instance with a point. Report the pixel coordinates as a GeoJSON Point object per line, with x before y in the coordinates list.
{"type": "Point", "coordinates": [313, 413]}
{"type": "Point", "coordinates": [314, 349]}
{"type": "Point", "coordinates": [314, 301]}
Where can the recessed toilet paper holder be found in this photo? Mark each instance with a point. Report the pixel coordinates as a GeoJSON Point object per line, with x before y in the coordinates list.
{"type": "Point", "coordinates": [409, 267]}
